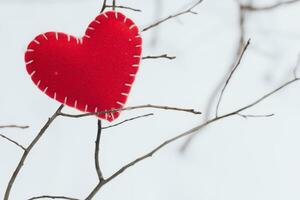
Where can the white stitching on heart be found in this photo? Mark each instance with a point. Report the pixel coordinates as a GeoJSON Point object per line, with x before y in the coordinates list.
{"type": "Point", "coordinates": [80, 41]}
{"type": "Point", "coordinates": [32, 73]}
{"type": "Point", "coordinates": [75, 103]}
{"type": "Point", "coordinates": [45, 36]}
{"type": "Point", "coordinates": [132, 26]}
{"type": "Point", "coordinates": [65, 100]}
{"type": "Point", "coordinates": [120, 103]}
{"type": "Point", "coordinates": [105, 15]}
{"type": "Point", "coordinates": [45, 90]}
{"type": "Point", "coordinates": [36, 41]}
{"type": "Point", "coordinates": [29, 62]}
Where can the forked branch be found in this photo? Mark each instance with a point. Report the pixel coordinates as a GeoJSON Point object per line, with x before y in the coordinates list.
{"type": "Point", "coordinates": [189, 10]}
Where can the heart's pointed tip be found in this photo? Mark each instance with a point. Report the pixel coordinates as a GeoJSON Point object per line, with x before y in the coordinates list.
{"type": "Point", "coordinates": [110, 117]}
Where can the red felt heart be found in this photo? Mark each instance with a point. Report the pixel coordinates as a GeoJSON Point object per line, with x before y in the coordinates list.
{"type": "Point", "coordinates": [93, 73]}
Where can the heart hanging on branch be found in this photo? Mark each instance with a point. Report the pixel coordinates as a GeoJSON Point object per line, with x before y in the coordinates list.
{"type": "Point", "coordinates": [93, 73]}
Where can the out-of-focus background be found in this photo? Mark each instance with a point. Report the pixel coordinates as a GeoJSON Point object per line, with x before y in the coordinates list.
{"type": "Point", "coordinates": [231, 160]}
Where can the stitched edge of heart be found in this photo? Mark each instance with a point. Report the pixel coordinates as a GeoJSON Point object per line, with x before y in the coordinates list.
{"type": "Point", "coordinates": [77, 105]}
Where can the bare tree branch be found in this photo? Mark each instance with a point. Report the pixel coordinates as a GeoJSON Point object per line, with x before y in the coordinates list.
{"type": "Point", "coordinates": [230, 76]}
{"type": "Point", "coordinates": [215, 92]}
{"type": "Point", "coordinates": [124, 7]}
{"type": "Point", "coordinates": [191, 131]}
{"type": "Point", "coordinates": [127, 120]}
{"type": "Point", "coordinates": [160, 56]}
{"type": "Point", "coordinates": [182, 135]}
{"type": "Point", "coordinates": [103, 6]}
{"type": "Point", "coordinates": [254, 116]}
{"type": "Point", "coordinates": [52, 197]}
{"type": "Point", "coordinates": [189, 10]}
{"type": "Point", "coordinates": [14, 126]}
{"type": "Point", "coordinates": [269, 7]}
{"type": "Point", "coordinates": [133, 108]}
{"type": "Point", "coordinates": [28, 150]}
{"type": "Point", "coordinates": [13, 142]}
{"type": "Point", "coordinates": [97, 148]}
{"type": "Point", "coordinates": [114, 5]}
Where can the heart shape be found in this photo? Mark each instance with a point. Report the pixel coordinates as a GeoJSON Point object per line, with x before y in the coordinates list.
{"type": "Point", "coordinates": [93, 73]}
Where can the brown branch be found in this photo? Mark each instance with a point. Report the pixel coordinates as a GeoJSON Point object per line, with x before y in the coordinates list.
{"type": "Point", "coordinates": [114, 5]}
{"type": "Point", "coordinates": [230, 76]}
{"type": "Point", "coordinates": [28, 150]}
{"type": "Point", "coordinates": [269, 7]}
{"type": "Point", "coordinates": [296, 68]}
{"type": "Point", "coordinates": [215, 92]}
{"type": "Point", "coordinates": [254, 116]}
{"type": "Point", "coordinates": [189, 10]}
{"type": "Point", "coordinates": [133, 108]}
{"type": "Point", "coordinates": [97, 148]}
{"type": "Point", "coordinates": [13, 142]}
{"type": "Point", "coordinates": [52, 197]}
{"type": "Point", "coordinates": [103, 6]}
{"type": "Point", "coordinates": [160, 56]}
{"type": "Point", "coordinates": [182, 135]}
{"type": "Point", "coordinates": [127, 120]}
{"type": "Point", "coordinates": [124, 7]}
{"type": "Point", "coordinates": [191, 131]}
{"type": "Point", "coordinates": [14, 126]}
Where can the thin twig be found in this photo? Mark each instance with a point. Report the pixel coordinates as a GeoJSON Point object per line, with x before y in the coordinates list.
{"type": "Point", "coordinates": [103, 6]}
{"type": "Point", "coordinates": [124, 7]}
{"type": "Point", "coordinates": [255, 116]}
{"type": "Point", "coordinates": [13, 142]}
{"type": "Point", "coordinates": [193, 111]}
{"type": "Point", "coordinates": [114, 5]}
{"type": "Point", "coordinates": [14, 126]}
{"type": "Point", "coordinates": [295, 70]}
{"type": "Point", "coordinates": [52, 197]}
{"type": "Point", "coordinates": [28, 150]}
{"type": "Point", "coordinates": [127, 120]}
{"type": "Point", "coordinates": [189, 10]}
{"type": "Point", "coordinates": [160, 56]}
{"type": "Point", "coordinates": [230, 76]}
{"type": "Point", "coordinates": [182, 135]}
{"type": "Point", "coordinates": [269, 7]}
{"type": "Point", "coordinates": [97, 148]}
{"type": "Point", "coordinates": [216, 91]}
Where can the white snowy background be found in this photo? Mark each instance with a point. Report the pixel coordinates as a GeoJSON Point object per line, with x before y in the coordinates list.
{"type": "Point", "coordinates": [234, 159]}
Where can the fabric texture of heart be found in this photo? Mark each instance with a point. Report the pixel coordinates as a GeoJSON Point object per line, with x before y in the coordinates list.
{"type": "Point", "coordinates": [93, 73]}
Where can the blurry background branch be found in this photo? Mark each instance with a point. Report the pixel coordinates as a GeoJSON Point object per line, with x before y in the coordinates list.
{"type": "Point", "coordinates": [189, 10]}
{"type": "Point", "coordinates": [12, 141]}
{"type": "Point", "coordinates": [166, 56]}
{"type": "Point", "coordinates": [242, 18]}
{"type": "Point", "coordinates": [13, 126]}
